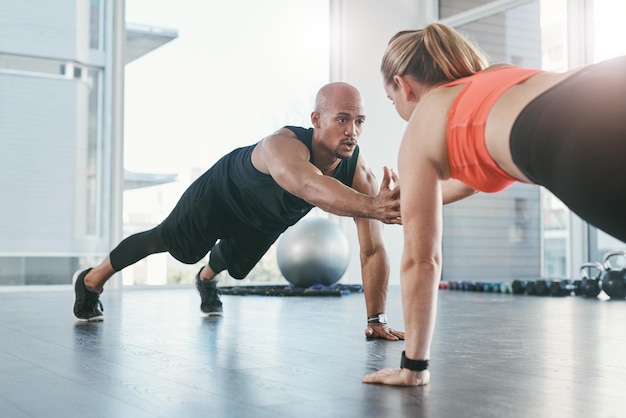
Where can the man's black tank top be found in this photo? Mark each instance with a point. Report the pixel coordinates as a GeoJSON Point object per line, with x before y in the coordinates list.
{"type": "Point", "coordinates": [249, 198]}
{"type": "Point", "coordinates": [257, 200]}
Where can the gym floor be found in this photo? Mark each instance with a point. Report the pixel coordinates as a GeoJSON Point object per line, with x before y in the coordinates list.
{"type": "Point", "coordinates": [155, 355]}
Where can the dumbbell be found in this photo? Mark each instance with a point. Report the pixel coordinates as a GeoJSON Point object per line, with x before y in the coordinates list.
{"type": "Point", "coordinates": [505, 287]}
{"type": "Point", "coordinates": [467, 285]}
{"type": "Point", "coordinates": [497, 287]}
{"type": "Point", "coordinates": [484, 286]}
{"type": "Point", "coordinates": [518, 287]}
{"type": "Point", "coordinates": [561, 287]}
{"type": "Point", "coordinates": [539, 287]}
{"type": "Point", "coordinates": [542, 287]}
{"type": "Point", "coordinates": [578, 288]}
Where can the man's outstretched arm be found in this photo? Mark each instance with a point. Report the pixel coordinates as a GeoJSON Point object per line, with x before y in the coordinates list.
{"type": "Point", "coordinates": [286, 159]}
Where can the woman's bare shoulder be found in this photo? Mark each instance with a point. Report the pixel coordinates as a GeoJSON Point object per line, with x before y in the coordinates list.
{"type": "Point", "coordinates": [498, 66]}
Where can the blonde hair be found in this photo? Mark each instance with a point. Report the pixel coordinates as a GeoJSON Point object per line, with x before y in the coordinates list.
{"type": "Point", "coordinates": [433, 55]}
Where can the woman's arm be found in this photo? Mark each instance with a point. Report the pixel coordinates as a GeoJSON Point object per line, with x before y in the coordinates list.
{"type": "Point", "coordinates": [454, 190]}
{"type": "Point", "coordinates": [421, 207]}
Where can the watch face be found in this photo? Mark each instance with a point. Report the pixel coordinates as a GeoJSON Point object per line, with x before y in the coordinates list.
{"type": "Point", "coordinates": [377, 319]}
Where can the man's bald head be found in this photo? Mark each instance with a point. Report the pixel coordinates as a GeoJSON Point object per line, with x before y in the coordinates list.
{"type": "Point", "coordinates": [336, 93]}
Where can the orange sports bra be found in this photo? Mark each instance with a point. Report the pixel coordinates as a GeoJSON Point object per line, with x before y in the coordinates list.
{"type": "Point", "coordinates": [469, 159]}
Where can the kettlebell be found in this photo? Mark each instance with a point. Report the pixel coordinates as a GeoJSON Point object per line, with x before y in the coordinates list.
{"type": "Point", "coordinates": [590, 286]}
{"type": "Point", "coordinates": [613, 279]}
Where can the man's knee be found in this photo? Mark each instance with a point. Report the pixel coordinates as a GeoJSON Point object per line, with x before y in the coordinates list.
{"type": "Point", "coordinates": [238, 269]}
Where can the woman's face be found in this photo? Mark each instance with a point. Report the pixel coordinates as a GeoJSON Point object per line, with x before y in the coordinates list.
{"type": "Point", "coordinates": [395, 94]}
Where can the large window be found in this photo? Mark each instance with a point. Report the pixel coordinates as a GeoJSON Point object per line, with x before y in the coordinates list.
{"type": "Point", "coordinates": [535, 33]}
{"type": "Point", "coordinates": [95, 25]}
{"type": "Point", "coordinates": [608, 41]}
{"type": "Point", "coordinates": [32, 65]}
{"type": "Point", "coordinates": [504, 230]}
{"type": "Point", "coordinates": [454, 8]}
{"type": "Point", "coordinates": [94, 154]}
{"type": "Point", "coordinates": [237, 72]}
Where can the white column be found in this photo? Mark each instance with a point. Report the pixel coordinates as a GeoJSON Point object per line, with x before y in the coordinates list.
{"type": "Point", "coordinates": [115, 66]}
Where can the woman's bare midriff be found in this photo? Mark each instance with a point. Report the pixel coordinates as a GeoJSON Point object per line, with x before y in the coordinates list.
{"type": "Point", "coordinates": [504, 113]}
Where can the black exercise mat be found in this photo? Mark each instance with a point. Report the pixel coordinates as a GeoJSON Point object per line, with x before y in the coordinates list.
{"type": "Point", "coordinates": [289, 290]}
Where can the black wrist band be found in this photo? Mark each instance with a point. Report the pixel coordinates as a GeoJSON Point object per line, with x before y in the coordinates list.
{"type": "Point", "coordinates": [414, 365]}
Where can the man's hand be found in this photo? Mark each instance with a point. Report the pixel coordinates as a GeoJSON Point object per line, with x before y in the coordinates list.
{"type": "Point", "coordinates": [383, 331]}
{"type": "Point", "coordinates": [387, 202]}
{"type": "Point", "coordinates": [398, 377]}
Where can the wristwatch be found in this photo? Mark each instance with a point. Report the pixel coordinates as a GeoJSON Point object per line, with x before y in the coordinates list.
{"type": "Point", "coordinates": [379, 318]}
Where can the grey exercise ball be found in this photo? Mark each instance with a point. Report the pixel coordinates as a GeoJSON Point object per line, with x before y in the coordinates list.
{"type": "Point", "coordinates": [313, 252]}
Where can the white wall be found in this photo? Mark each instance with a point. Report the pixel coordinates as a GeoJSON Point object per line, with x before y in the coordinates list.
{"type": "Point", "coordinates": [37, 164]}
{"type": "Point", "coordinates": [42, 28]}
{"type": "Point", "coordinates": [360, 31]}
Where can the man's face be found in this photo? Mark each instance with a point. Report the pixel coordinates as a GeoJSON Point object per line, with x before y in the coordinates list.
{"type": "Point", "coordinates": [340, 124]}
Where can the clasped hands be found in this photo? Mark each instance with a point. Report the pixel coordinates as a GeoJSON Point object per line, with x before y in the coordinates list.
{"type": "Point", "coordinates": [387, 202]}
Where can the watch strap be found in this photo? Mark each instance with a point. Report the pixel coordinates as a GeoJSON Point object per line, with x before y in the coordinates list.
{"type": "Point", "coordinates": [375, 319]}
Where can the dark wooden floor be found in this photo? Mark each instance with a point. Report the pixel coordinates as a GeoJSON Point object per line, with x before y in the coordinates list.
{"type": "Point", "coordinates": [156, 356]}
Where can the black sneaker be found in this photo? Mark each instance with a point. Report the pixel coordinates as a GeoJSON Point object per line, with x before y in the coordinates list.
{"type": "Point", "coordinates": [211, 303]}
{"type": "Point", "coordinates": [87, 301]}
